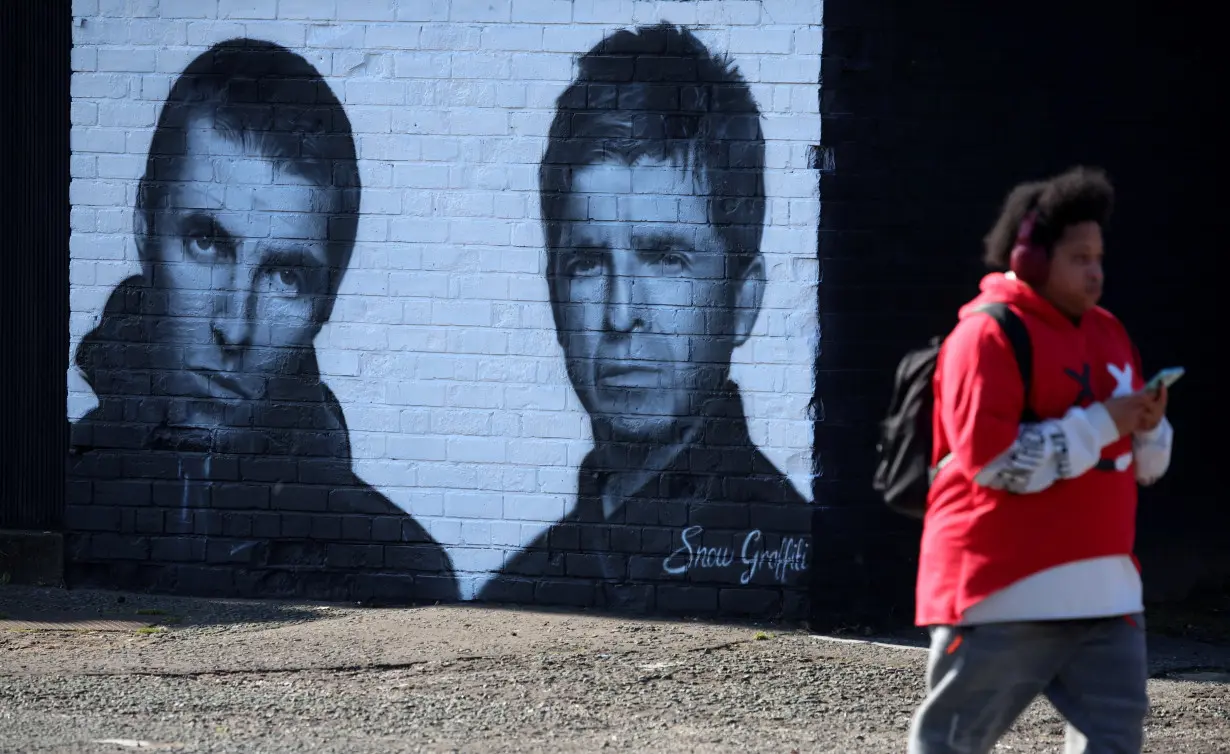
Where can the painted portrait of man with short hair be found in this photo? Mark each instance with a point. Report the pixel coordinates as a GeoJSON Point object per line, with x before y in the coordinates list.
{"type": "Point", "coordinates": [204, 364]}
{"type": "Point", "coordinates": [653, 203]}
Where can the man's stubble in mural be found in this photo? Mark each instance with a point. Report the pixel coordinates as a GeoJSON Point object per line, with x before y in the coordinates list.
{"type": "Point", "coordinates": [244, 281]}
{"type": "Point", "coordinates": [648, 314]}
{"type": "Point", "coordinates": [655, 277]}
{"type": "Point", "coordinates": [245, 223]}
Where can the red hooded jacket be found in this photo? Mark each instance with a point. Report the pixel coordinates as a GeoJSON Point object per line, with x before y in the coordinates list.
{"type": "Point", "coordinates": [979, 537]}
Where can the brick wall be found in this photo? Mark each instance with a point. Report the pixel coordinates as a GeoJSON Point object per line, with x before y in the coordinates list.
{"type": "Point", "coordinates": [441, 348]}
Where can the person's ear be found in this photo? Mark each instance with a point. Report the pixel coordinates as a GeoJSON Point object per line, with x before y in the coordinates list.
{"type": "Point", "coordinates": [141, 236]}
{"type": "Point", "coordinates": [556, 282]}
{"type": "Point", "coordinates": [749, 294]}
{"type": "Point", "coordinates": [560, 336]}
{"type": "Point", "coordinates": [139, 226]}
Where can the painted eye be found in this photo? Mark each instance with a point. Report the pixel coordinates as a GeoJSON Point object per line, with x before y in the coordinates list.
{"type": "Point", "coordinates": [202, 246]}
{"type": "Point", "coordinates": [284, 281]}
{"type": "Point", "coordinates": [670, 262]}
{"type": "Point", "coordinates": [673, 261]}
{"type": "Point", "coordinates": [585, 265]}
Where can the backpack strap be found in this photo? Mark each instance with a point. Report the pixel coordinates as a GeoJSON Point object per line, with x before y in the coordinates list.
{"type": "Point", "coordinates": [1022, 347]}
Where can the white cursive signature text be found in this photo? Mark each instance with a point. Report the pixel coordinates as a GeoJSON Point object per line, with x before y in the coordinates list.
{"type": "Point", "coordinates": [790, 556]}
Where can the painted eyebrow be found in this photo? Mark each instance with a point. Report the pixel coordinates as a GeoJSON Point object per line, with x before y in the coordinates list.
{"type": "Point", "coordinates": [656, 240]}
{"type": "Point", "coordinates": [294, 257]}
{"type": "Point", "coordinates": [580, 240]}
{"type": "Point", "coordinates": [199, 221]}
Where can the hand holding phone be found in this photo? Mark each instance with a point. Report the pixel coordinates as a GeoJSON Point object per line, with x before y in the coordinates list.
{"type": "Point", "coordinates": [1167, 377]}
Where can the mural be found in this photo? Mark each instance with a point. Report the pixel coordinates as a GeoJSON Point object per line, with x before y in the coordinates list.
{"type": "Point", "coordinates": [556, 348]}
{"type": "Point", "coordinates": [650, 296]}
{"type": "Point", "coordinates": [210, 398]}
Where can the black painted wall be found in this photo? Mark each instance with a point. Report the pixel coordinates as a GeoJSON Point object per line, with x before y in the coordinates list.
{"type": "Point", "coordinates": [931, 113]}
{"type": "Point", "coordinates": [35, 42]}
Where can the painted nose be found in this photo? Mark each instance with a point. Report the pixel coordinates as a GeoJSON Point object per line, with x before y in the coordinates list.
{"type": "Point", "coordinates": [621, 314]}
{"type": "Point", "coordinates": [232, 323]}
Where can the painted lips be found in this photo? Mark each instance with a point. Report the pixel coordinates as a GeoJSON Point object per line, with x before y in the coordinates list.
{"type": "Point", "coordinates": [627, 374]}
{"type": "Point", "coordinates": [222, 386]}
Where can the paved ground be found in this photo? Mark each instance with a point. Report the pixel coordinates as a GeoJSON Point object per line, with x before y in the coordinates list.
{"type": "Point", "coordinates": [235, 676]}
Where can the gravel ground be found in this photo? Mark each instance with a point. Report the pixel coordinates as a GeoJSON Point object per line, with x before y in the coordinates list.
{"type": "Point", "coordinates": [238, 676]}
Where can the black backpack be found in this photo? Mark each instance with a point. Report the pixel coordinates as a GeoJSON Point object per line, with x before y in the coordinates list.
{"type": "Point", "coordinates": [903, 474]}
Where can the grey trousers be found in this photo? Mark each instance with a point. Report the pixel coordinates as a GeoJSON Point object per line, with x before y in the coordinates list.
{"type": "Point", "coordinates": [981, 678]}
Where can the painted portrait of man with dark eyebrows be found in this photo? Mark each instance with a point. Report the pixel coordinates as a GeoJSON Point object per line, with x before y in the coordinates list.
{"type": "Point", "coordinates": [653, 204]}
{"type": "Point", "coordinates": [215, 433]}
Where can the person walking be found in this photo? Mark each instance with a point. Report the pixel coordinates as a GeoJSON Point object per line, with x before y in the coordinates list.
{"type": "Point", "coordinates": [1026, 575]}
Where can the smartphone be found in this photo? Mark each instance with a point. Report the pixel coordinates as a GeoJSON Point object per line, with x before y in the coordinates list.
{"type": "Point", "coordinates": [1165, 377]}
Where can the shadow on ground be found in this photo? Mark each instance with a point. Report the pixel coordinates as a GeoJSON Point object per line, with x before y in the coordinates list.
{"type": "Point", "coordinates": [1201, 616]}
{"type": "Point", "coordinates": [70, 606]}
{"type": "Point", "coordinates": [1188, 640]}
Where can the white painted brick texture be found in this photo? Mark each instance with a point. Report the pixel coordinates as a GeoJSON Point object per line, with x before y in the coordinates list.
{"type": "Point", "coordinates": [441, 348]}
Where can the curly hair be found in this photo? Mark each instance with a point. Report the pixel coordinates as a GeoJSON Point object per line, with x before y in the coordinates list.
{"type": "Point", "coordinates": [1080, 194]}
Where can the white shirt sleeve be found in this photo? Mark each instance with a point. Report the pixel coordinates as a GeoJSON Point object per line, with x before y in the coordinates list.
{"type": "Point", "coordinates": [1152, 452]}
{"type": "Point", "coordinates": [1047, 451]}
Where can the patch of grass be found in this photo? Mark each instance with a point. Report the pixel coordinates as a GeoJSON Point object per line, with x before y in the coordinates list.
{"type": "Point", "coordinates": [761, 636]}
{"type": "Point", "coordinates": [151, 630]}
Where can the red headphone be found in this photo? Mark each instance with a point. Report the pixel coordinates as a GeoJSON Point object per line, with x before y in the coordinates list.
{"type": "Point", "coordinates": [1029, 261]}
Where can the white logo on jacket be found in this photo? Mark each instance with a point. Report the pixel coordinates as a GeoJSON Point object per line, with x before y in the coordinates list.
{"type": "Point", "coordinates": [1123, 379]}
{"type": "Point", "coordinates": [1123, 386]}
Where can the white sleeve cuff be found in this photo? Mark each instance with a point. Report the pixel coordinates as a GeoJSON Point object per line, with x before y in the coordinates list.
{"type": "Point", "coordinates": [1155, 434]}
{"type": "Point", "coordinates": [1152, 451]}
{"type": "Point", "coordinates": [1103, 425]}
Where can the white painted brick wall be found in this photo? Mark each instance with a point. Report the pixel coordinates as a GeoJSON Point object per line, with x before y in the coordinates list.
{"type": "Point", "coordinates": [441, 348]}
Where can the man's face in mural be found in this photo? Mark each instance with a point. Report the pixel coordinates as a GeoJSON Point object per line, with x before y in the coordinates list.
{"type": "Point", "coordinates": [240, 252]}
{"type": "Point", "coordinates": [649, 306]}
